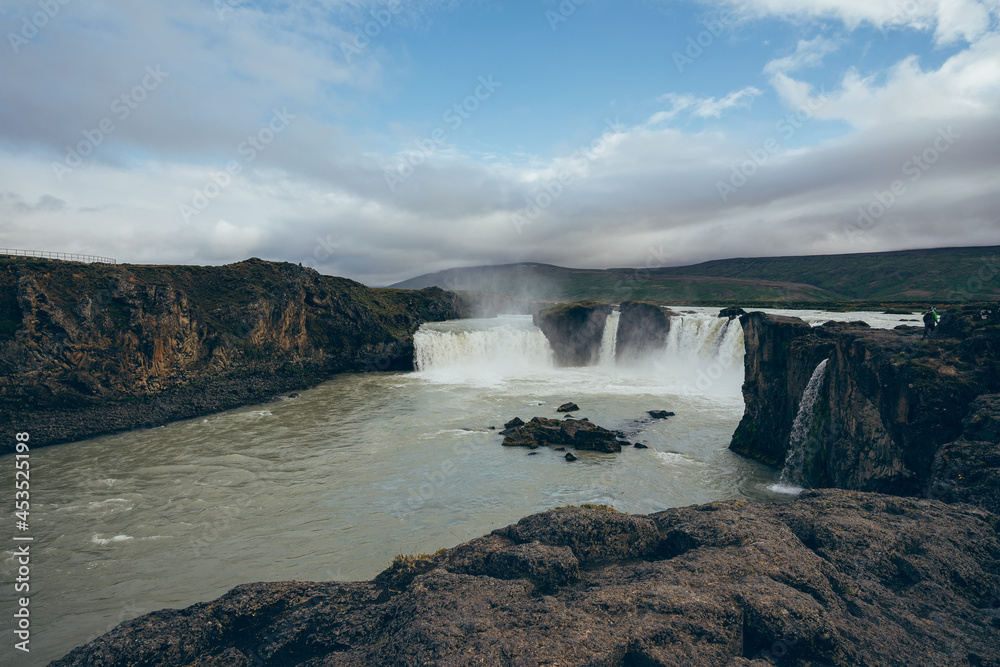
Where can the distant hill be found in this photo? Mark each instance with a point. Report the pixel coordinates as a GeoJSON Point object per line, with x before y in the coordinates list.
{"type": "Point", "coordinates": [939, 275]}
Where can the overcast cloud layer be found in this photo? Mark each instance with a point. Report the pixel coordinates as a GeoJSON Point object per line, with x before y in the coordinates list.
{"type": "Point", "coordinates": [590, 134]}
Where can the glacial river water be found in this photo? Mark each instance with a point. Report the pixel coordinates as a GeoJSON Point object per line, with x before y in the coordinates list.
{"type": "Point", "coordinates": [333, 484]}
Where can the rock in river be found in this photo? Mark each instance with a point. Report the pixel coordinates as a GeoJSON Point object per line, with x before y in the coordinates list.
{"type": "Point", "coordinates": [542, 432]}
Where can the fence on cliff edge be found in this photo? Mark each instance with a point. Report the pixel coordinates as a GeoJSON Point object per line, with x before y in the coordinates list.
{"type": "Point", "coordinates": [65, 256]}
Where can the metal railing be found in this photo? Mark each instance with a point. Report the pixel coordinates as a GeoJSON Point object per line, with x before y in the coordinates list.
{"type": "Point", "coordinates": [65, 256]}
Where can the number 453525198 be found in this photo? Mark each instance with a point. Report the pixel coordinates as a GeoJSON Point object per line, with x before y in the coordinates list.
{"type": "Point", "coordinates": [22, 477]}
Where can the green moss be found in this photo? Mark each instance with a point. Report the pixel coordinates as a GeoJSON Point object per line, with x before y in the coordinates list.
{"type": "Point", "coordinates": [587, 506]}
{"type": "Point", "coordinates": [411, 559]}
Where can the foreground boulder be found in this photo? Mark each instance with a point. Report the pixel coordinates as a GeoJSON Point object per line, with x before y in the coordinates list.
{"type": "Point", "coordinates": [834, 578]}
{"type": "Point", "coordinates": [542, 432]}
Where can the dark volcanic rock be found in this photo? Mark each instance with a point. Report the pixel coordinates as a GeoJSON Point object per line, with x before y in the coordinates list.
{"type": "Point", "coordinates": [781, 354]}
{"type": "Point", "coordinates": [570, 457]}
{"type": "Point", "coordinates": [659, 414]}
{"type": "Point", "coordinates": [889, 403]}
{"type": "Point", "coordinates": [732, 312]}
{"type": "Point", "coordinates": [91, 349]}
{"type": "Point", "coordinates": [574, 330]}
{"type": "Point", "coordinates": [568, 407]}
{"type": "Point", "coordinates": [642, 328]}
{"type": "Point", "coordinates": [834, 578]}
{"type": "Point", "coordinates": [640, 445]}
{"type": "Point", "coordinates": [581, 434]}
{"type": "Point", "coordinates": [968, 469]}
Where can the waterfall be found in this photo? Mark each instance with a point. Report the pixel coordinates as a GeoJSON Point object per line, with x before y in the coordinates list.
{"type": "Point", "coordinates": [609, 340]}
{"type": "Point", "coordinates": [801, 447]}
{"type": "Point", "coordinates": [501, 346]}
{"type": "Point", "coordinates": [702, 354]}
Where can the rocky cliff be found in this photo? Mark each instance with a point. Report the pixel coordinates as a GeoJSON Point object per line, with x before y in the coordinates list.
{"type": "Point", "coordinates": [643, 327]}
{"type": "Point", "coordinates": [834, 578]}
{"type": "Point", "coordinates": [574, 330]}
{"type": "Point", "coordinates": [890, 401]}
{"type": "Point", "coordinates": [90, 349]}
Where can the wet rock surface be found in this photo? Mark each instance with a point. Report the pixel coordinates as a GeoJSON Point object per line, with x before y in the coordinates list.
{"type": "Point", "coordinates": [834, 578]}
{"type": "Point", "coordinates": [574, 330]}
{"type": "Point", "coordinates": [581, 434]}
{"type": "Point", "coordinates": [889, 403]}
{"type": "Point", "coordinates": [643, 327]}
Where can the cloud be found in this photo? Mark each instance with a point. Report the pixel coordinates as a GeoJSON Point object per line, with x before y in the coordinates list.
{"type": "Point", "coordinates": [701, 107]}
{"type": "Point", "coordinates": [808, 53]}
{"type": "Point", "coordinates": [966, 85]}
{"type": "Point", "coordinates": [951, 20]}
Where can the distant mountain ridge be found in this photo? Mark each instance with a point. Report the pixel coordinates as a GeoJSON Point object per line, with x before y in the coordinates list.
{"type": "Point", "coordinates": [938, 275]}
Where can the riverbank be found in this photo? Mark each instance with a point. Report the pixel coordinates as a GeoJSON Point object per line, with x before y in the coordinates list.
{"type": "Point", "coordinates": [90, 349]}
{"type": "Point", "coordinates": [836, 577]}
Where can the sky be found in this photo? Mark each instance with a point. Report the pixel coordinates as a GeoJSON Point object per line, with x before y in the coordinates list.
{"type": "Point", "coordinates": [384, 139]}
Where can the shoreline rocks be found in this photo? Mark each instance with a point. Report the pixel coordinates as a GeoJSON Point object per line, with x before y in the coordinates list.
{"type": "Point", "coordinates": [833, 578]}
{"type": "Point", "coordinates": [890, 403]}
{"type": "Point", "coordinates": [92, 349]}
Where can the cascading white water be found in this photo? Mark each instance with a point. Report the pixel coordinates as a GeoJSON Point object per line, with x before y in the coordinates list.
{"type": "Point", "coordinates": [499, 346]}
{"type": "Point", "coordinates": [609, 340]}
{"type": "Point", "coordinates": [706, 337]}
{"type": "Point", "coordinates": [703, 353]}
{"type": "Point", "coordinates": [801, 447]}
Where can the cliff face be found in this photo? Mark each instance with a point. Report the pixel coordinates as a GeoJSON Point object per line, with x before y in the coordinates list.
{"type": "Point", "coordinates": [642, 328]}
{"type": "Point", "coordinates": [890, 401]}
{"type": "Point", "coordinates": [834, 578]}
{"type": "Point", "coordinates": [87, 349]}
{"type": "Point", "coordinates": [574, 330]}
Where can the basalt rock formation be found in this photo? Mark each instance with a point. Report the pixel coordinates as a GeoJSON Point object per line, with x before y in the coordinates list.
{"type": "Point", "coordinates": [574, 330]}
{"type": "Point", "coordinates": [90, 349]}
{"type": "Point", "coordinates": [643, 327]}
{"type": "Point", "coordinates": [833, 578]}
{"type": "Point", "coordinates": [578, 433]}
{"type": "Point", "coordinates": [890, 402]}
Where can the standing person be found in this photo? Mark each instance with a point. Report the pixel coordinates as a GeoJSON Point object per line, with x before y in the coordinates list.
{"type": "Point", "coordinates": [930, 321]}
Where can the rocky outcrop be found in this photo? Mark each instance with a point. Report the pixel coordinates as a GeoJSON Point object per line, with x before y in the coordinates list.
{"type": "Point", "coordinates": [834, 578]}
{"type": "Point", "coordinates": [577, 433]}
{"type": "Point", "coordinates": [781, 354]}
{"type": "Point", "coordinates": [574, 330]}
{"type": "Point", "coordinates": [889, 403]}
{"type": "Point", "coordinates": [643, 327]}
{"type": "Point", "coordinates": [90, 349]}
{"type": "Point", "coordinates": [968, 469]}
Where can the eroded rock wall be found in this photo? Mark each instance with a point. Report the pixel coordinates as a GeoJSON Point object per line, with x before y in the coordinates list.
{"type": "Point", "coordinates": [88, 349]}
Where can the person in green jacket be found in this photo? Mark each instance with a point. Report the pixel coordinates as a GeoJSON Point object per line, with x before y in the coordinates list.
{"type": "Point", "coordinates": [930, 321]}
